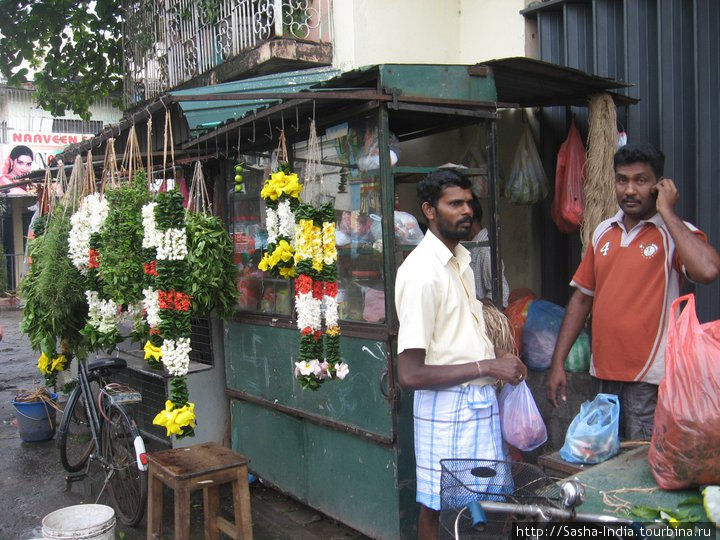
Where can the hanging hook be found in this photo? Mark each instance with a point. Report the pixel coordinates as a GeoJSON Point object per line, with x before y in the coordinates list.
{"type": "Point", "coordinates": [269, 129]}
{"type": "Point", "coordinates": [147, 110]}
{"type": "Point", "coordinates": [296, 127]}
{"type": "Point", "coordinates": [238, 146]}
{"type": "Point", "coordinates": [253, 138]}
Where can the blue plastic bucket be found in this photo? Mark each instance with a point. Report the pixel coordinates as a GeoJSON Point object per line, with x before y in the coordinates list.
{"type": "Point", "coordinates": [36, 419]}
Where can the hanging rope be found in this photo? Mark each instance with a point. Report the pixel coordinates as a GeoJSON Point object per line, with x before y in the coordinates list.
{"type": "Point", "coordinates": [74, 186]}
{"type": "Point", "coordinates": [599, 188]}
{"type": "Point", "coordinates": [313, 169]}
{"type": "Point", "coordinates": [46, 193]}
{"type": "Point", "coordinates": [90, 184]}
{"type": "Point", "coordinates": [168, 137]}
{"type": "Point", "coordinates": [132, 160]}
{"type": "Point", "coordinates": [110, 172]}
{"type": "Point", "coordinates": [149, 160]}
{"type": "Point", "coordinates": [199, 199]}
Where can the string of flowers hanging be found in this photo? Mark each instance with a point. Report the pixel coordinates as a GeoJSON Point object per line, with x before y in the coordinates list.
{"type": "Point", "coordinates": [316, 284]}
{"type": "Point", "coordinates": [281, 194]}
{"type": "Point", "coordinates": [169, 307]}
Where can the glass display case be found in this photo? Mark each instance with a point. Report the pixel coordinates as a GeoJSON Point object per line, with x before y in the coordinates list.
{"type": "Point", "coordinates": [345, 173]}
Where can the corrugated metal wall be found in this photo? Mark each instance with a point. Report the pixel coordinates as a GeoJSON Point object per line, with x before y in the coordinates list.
{"type": "Point", "coordinates": [670, 51]}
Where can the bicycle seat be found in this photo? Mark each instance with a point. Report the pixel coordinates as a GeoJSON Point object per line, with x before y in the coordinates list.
{"type": "Point", "coordinates": [106, 363]}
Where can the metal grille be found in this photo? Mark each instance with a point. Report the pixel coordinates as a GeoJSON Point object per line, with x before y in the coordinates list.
{"type": "Point", "coordinates": [201, 341]}
{"type": "Point", "coordinates": [154, 394]}
{"type": "Point", "coordinates": [169, 42]}
{"type": "Point", "coordinates": [68, 125]}
{"type": "Point", "coordinates": [467, 480]}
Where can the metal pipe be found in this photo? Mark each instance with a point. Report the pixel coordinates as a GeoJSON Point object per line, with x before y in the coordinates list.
{"type": "Point", "coordinates": [317, 419]}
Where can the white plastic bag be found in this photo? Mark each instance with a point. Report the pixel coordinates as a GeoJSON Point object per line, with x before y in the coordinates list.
{"type": "Point", "coordinates": [520, 420]}
{"type": "Point", "coordinates": [407, 229]}
{"type": "Point", "coordinates": [527, 183]}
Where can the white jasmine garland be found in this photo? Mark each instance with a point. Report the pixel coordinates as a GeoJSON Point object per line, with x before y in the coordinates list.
{"type": "Point", "coordinates": [172, 245]}
{"type": "Point", "coordinates": [308, 311]}
{"type": "Point", "coordinates": [88, 219]}
{"type": "Point", "coordinates": [150, 232]}
{"type": "Point", "coordinates": [271, 221]}
{"type": "Point", "coordinates": [152, 307]}
{"type": "Point", "coordinates": [102, 314]}
{"type": "Point", "coordinates": [331, 311]}
{"type": "Point", "coordinates": [176, 356]}
{"type": "Point", "coordinates": [286, 219]}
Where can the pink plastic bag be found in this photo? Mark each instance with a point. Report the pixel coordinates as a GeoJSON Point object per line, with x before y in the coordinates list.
{"type": "Point", "coordinates": [569, 201]}
{"type": "Point", "coordinates": [520, 420]}
{"type": "Point", "coordinates": [686, 435]}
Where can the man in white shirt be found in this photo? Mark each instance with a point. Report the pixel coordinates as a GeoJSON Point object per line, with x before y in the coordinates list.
{"type": "Point", "coordinates": [480, 259]}
{"type": "Point", "coordinates": [444, 353]}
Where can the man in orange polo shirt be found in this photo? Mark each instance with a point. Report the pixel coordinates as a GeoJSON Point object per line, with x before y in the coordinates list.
{"type": "Point", "coordinates": [629, 277]}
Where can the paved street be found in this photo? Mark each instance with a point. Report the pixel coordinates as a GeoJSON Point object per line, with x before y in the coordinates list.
{"type": "Point", "coordinates": [33, 480]}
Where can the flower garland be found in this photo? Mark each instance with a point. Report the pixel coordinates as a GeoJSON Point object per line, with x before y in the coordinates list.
{"type": "Point", "coordinates": [50, 367]}
{"type": "Point", "coordinates": [168, 307]}
{"type": "Point", "coordinates": [281, 194]}
{"type": "Point", "coordinates": [85, 222]}
{"type": "Point", "coordinates": [316, 263]}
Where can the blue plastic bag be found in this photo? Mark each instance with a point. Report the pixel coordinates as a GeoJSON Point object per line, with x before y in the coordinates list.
{"type": "Point", "coordinates": [594, 434]}
{"type": "Point", "coordinates": [540, 334]}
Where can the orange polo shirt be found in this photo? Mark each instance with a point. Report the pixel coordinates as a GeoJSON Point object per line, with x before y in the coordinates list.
{"type": "Point", "coordinates": [634, 277]}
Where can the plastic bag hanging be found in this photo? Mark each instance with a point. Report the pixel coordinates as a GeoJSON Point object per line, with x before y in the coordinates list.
{"type": "Point", "coordinates": [686, 435]}
{"type": "Point", "coordinates": [520, 420]}
{"type": "Point", "coordinates": [569, 201]}
{"type": "Point", "coordinates": [527, 183]}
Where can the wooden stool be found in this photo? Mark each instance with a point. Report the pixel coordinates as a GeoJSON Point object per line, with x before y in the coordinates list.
{"type": "Point", "coordinates": [206, 467]}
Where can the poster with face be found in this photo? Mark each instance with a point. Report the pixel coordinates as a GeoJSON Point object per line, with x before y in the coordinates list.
{"type": "Point", "coordinates": [29, 151]}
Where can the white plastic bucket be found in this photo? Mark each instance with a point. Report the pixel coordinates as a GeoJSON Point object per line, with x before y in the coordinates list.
{"type": "Point", "coordinates": [82, 521]}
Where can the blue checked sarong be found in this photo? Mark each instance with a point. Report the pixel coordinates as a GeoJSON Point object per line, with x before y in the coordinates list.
{"type": "Point", "coordinates": [459, 423]}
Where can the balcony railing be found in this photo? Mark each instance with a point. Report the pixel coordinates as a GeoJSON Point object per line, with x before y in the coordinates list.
{"type": "Point", "coordinates": [169, 42]}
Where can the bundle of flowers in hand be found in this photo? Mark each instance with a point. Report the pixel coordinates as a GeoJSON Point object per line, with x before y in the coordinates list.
{"type": "Point", "coordinates": [281, 194]}
{"type": "Point", "coordinates": [168, 309]}
{"type": "Point", "coordinates": [316, 284]}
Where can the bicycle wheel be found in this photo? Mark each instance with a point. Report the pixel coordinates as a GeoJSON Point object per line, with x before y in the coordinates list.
{"type": "Point", "coordinates": [127, 484]}
{"type": "Point", "coordinates": [76, 441]}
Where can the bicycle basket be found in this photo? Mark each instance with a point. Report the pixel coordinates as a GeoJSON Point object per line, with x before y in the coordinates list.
{"type": "Point", "coordinates": [465, 480]}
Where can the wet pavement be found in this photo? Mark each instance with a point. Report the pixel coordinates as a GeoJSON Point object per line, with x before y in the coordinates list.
{"type": "Point", "coordinates": [32, 480]}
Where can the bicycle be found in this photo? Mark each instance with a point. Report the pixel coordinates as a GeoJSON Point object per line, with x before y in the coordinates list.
{"type": "Point", "coordinates": [96, 426]}
{"type": "Point", "coordinates": [490, 499]}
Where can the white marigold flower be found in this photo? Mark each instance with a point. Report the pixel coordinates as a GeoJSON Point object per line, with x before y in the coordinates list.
{"type": "Point", "coordinates": [172, 245]}
{"type": "Point", "coordinates": [306, 368]}
{"type": "Point", "coordinates": [271, 223]}
{"type": "Point", "coordinates": [286, 219]}
{"type": "Point", "coordinates": [150, 232]}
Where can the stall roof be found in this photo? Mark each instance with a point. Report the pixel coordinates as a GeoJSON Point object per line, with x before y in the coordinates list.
{"type": "Point", "coordinates": [534, 83]}
{"type": "Point", "coordinates": [208, 114]}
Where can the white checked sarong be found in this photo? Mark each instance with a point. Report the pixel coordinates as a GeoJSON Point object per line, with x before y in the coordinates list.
{"type": "Point", "coordinates": [457, 422]}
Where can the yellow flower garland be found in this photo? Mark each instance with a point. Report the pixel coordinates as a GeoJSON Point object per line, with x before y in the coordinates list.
{"type": "Point", "coordinates": [280, 183]}
{"type": "Point", "coordinates": [46, 365]}
{"type": "Point", "coordinates": [152, 352]}
{"type": "Point", "coordinates": [175, 419]}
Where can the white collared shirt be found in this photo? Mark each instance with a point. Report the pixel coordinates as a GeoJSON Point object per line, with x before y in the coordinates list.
{"type": "Point", "coordinates": [437, 309]}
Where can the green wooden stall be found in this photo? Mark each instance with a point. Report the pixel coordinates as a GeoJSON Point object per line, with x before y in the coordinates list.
{"type": "Point", "coordinates": [347, 449]}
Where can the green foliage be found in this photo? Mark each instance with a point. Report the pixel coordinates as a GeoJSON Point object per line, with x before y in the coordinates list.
{"type": "Point", "coordinates": [121, 256]}
{"type": "Point", "coordinates": [74, 47]}
{"type": "Point", "coordinates": [54, 291]}
{"type": "Point", "coordinates": [212, 270]}
{"type": "Point", "coordinates": [169, 212]}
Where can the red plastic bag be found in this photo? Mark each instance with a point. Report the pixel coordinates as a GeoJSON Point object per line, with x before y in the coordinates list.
{"type": "Point", "coordinates": [517, 312]}
{"type": "Point", "coordinates": [569, 201]}
{"type": "Point", "coordinates": [686, 435]}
